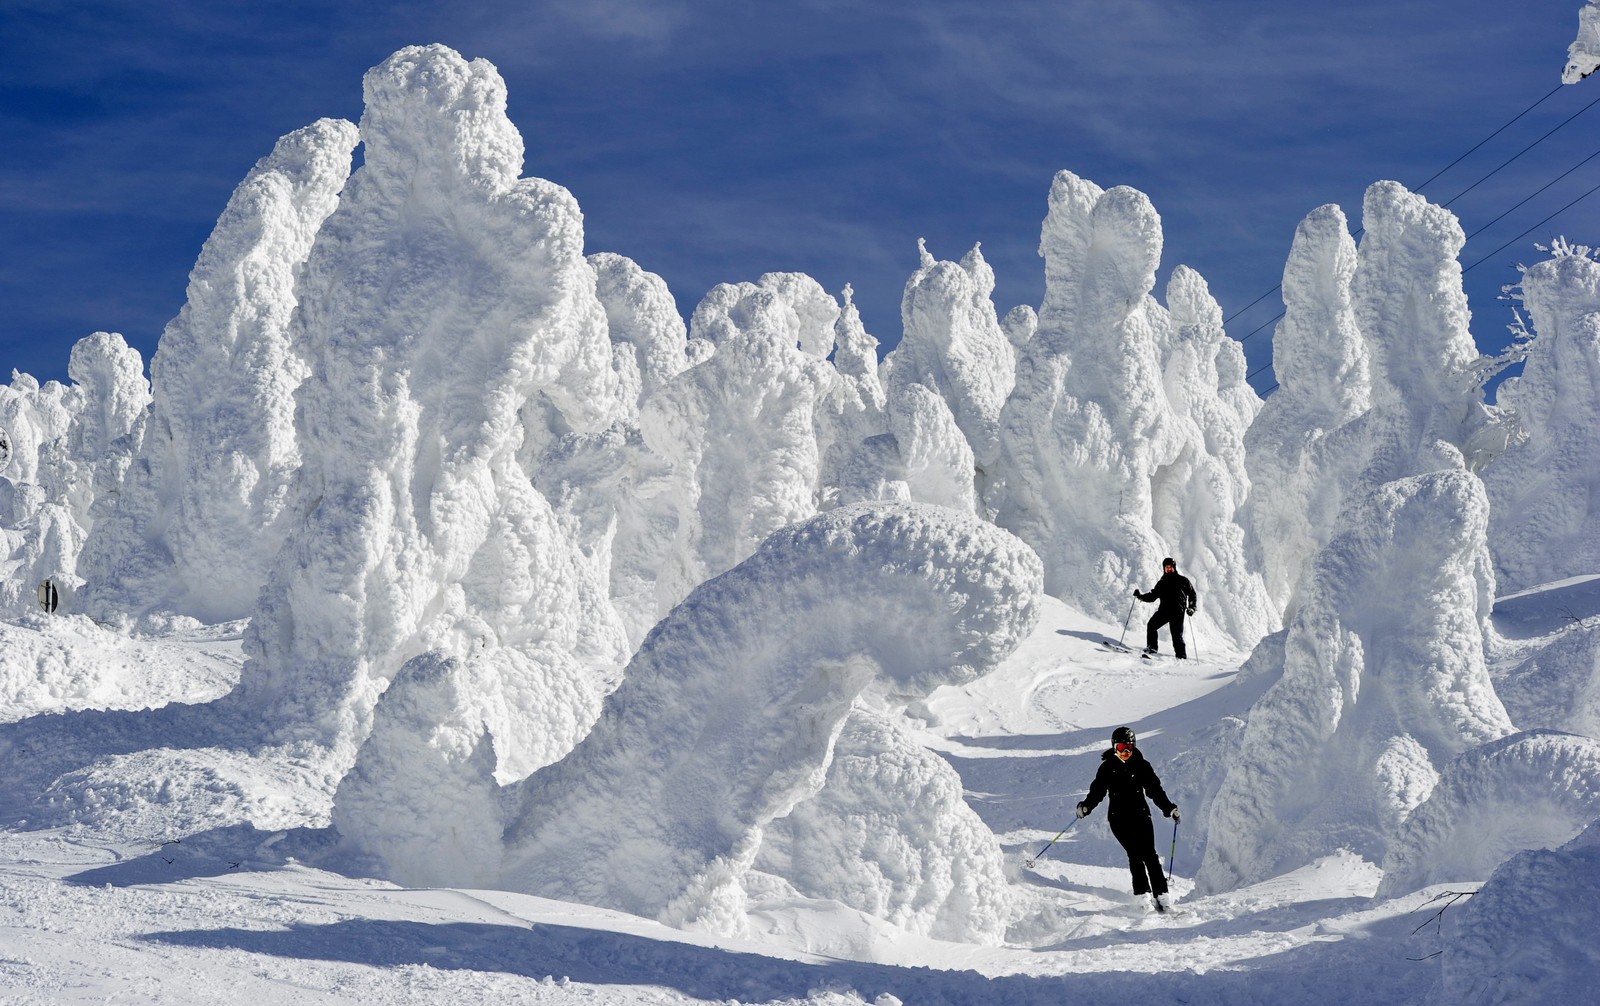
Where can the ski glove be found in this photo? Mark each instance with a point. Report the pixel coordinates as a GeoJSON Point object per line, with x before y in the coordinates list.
{"type": "Point", "coordinates": [1190, 610]}
{"type": "Point", "coordinates": [1175, 816]}
{"type": "Point", "coordinates": [1083, 811]}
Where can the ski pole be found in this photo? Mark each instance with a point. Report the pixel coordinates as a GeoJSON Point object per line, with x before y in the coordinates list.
{"type": "Point", "coordinates": [1036, 856]}
{"type": "Point", "coordinates": [1124, 636]}
{"type": "Point", "coordinates": [1173, 854]}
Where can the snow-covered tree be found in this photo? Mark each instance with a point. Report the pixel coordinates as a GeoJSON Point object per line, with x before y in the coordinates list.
{"type": "Point", "coordinates": [202, 513]}
{"type": "Point", "coordinates": [446, 307]}
{"type": "Point", "coordinates": [1545, 491]}
{"type": "Point", "coordinates": [1384, 681]}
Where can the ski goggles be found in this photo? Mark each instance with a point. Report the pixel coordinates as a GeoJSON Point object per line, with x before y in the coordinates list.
{"type": "Point", "coordinates": [1124, 749]}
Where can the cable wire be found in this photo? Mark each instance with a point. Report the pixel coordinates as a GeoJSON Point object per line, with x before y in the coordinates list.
{"type": "Point", "coordinates": [1524, 150]}
{"type": "Point", "coordinates": [1530, 230]}
{"type": "Point", "coordinates": [1540, 189]}
{"type": "Point", "coordinates": [1435, 175]}
{"type": "Point", "coordinates": [1491, 136]}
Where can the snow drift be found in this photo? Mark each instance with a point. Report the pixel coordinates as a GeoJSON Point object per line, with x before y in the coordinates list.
{"type": "Point", "coordinates": [1499, 945]}
{"type": "Point", "coordinates": [1528, 791]}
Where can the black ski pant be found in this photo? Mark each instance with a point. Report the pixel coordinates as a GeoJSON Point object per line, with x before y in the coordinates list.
{"type": "Point", "coordinates": [1138, 837]}
{"type": "Point", "coordinates": [1163, 617]}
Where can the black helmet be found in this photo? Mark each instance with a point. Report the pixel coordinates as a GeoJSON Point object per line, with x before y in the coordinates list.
{"type": "Point", "coordinates": [1122, 735]}
{"type": "Point", "coordinates": [1169, 561]}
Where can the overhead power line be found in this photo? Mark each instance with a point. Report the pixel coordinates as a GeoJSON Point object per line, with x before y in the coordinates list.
{"type": "Point", "coordinates": [1253, 303]}
{"type": "Point", "coordinates": [1491, 136]}
{"type": "Point", "coordinates": [1530, 230]}
{"type": "Point", "coordinates": [1524, 150]}
{"type": "Point", "coordinates": [1508, 123]}
{"type": "Point", "coordinates": [1535, 192]}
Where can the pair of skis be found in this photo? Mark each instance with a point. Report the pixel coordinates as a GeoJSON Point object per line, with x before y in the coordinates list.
{"type": "Point", "coordinates": [1110, 647]}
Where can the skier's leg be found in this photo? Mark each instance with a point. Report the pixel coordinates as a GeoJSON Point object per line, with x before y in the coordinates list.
{"type": "Point", "coordinates": [1178, 646]}
{"type": "Point", "coordinates": [1156, 622]}
{"type": "Point", "coordinates": [1135, 834]}
{"type": "Point", "coordinates": [1152, 866]}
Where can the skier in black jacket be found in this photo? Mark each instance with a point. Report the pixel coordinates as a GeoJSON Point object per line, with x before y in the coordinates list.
{"type": "Point", "coordinates": [1176, 595]}
{"type": "Point", "coordinates": [1129, 779]}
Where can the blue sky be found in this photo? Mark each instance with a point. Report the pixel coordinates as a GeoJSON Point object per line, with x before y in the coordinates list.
{"type": "Point", "coordinates": [714, 141]}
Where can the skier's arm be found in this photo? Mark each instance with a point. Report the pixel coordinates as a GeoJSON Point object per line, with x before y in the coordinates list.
{"type": "Point", "coordinates": [1190, 600]}
{"type": "Point", "coordinates": [1097, 792]}
{"type": "Point", "coordinates": [1152, 789]}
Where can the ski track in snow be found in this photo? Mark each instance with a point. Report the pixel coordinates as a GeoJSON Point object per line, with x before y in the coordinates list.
{"type": "Point", "coordinates": [282, 917]}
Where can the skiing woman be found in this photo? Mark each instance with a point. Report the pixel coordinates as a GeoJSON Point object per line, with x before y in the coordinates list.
{"type": "Point", "coordinates": [1176, 595]}
{"type": "Point", "coordinates": [1129, 779]}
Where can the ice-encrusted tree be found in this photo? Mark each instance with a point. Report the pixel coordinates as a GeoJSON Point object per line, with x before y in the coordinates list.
{"type": "Point", "coordinates": [1196, 499]}
{"type": "Point", "coordinates": [853, 417]}
{"type": "Point", "coordinates": [1427, 410]}
{"type": "Point", "coordinates": [615, 497]}
{"type": "Point", "coordinates": [1583, 55]}
{"type": "Point", "coordinates": [444, 302]}
{"type": "Point", "coordinates": [68, 450]}
{"type": "Point", "coordinates": [1124, 424]}
{"type": "Point", "coordinates": [1384, 681]}
{"type": "Point", "coordinates": [1545, 491]}
{"type": "Point", "coordinates": [1380, 376]}
{"type": "Point", "coordinates": [202, 514]}
{"type": "Point", "coordinates": [1321, 362]}
{"type": "Point", "coordinates": [648, 336]}
{"type": "Point", "coordinates": [952, 346]}
{"type": "Point", "coordinates": [1087, 425]}
{"type": "Point", "coordinates": [739, 429]}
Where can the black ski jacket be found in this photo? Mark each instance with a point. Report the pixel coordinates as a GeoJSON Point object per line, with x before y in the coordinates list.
{"type": "Point", "coordinates": [1128, 783]}
{"type": "Point", "coordinates": [1174, 591]}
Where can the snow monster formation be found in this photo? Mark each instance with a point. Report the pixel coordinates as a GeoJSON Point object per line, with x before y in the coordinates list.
{"type": "Point", "coordinates": [728, 714]}
{"type": "Point", "coordinates": [1093, 449]}
{"type": "Point", "coordinates": [739, 430]}
{"type": "Point", "coordinates": [1545, 521]}
{"type": "Point", "coordinates": [67, 448]}
{"type": "Point", "coordinates": [443, 299]}
{"type": "Point", "coordinates": [1293, 449]}
{"type": "Point", "coordinates": [1380, 376]}
{"type": "Point", "coordinates": [947, 381]}
{"type": "Point", "coordinates": [203, 512]}
{"type": "Point", "coordinates": [615, 497]}
{"type": "Point", "coordinates": [1196, 499]}
{"type": "Point", "coordinates": [1384, 681]}
{"type": "Point", "coordinates": [727, 720]}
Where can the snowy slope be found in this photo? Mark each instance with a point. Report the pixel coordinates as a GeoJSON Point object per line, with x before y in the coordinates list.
{"type": "Point", "coordinates": [285, 916]}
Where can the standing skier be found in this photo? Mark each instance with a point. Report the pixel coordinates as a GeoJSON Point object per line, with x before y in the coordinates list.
{"type": "Point", "coordinates": [1129, 779]}
{"type": "Point", "coordinates": [1176, 595]}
